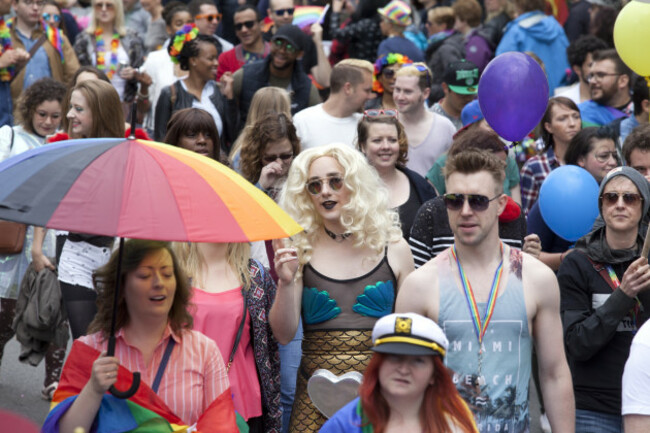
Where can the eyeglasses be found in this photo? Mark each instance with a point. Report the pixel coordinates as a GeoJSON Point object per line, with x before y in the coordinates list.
{"type": "Point", "coordinates": [38, 3]}
{"type": "Point", "coordinates": [315, 186]}
{"type": "Point", "coordinates": [604, 157]}
{"type": "Point", "coordinates": [249, 25]}
{"type": "Point", "coordinates": [282, 156]}
{"type": "Point", "coordinates": [101, 6]}
{"type": "Point", "coordinates": [286, 11]}
{"type": "Point", "coordinates": [599, 76]}
{"type": "Point", "coordinates": [290, 48]}
{"type": "Point", "coordinates": [55, 17]}
{"type": "Point", "coordinates": [209, 17]}
{"type": "Point", "coordinates": [388, 73]}
{"type": "Point", "coordinates": [377, 113]}
{"type": "Point", "coordinates": [629, 198]}
{"type": "Point", "coordinates": [476, 202]}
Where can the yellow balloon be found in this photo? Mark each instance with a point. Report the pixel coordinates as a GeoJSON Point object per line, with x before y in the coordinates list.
{"type": "Point", "coordinates": [632, 36]}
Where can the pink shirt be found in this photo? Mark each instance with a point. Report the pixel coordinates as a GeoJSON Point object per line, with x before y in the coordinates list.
{"type": "Point", "coordinates": [218, 316]}
{"type": "Point", "coordinates": [195, 375]}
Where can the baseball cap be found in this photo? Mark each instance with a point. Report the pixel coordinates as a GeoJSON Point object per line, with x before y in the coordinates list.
{"type": "Point", "coordinates": [462, 77]}
{"type": "Point", "coordinates": [397, 12]}
{"type": "Point", "coordinates": [291, 34]}
{"type": "Point", "coordinates": [408, 334]}
{"type": "Point", "coordinates": [471, 113]}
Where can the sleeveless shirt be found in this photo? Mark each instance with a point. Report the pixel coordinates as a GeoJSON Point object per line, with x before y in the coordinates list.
{"type": "Point", "coordinates": [498, 397]}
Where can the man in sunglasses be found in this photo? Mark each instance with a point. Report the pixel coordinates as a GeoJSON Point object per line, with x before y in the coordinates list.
{"type": "Point", "coordinates": [207, 18]}
{"type": "Point", "coordinates": [605, 297]}
{"type": "Point", "coordinates": [251, 47]}
{"type": "Point", "coordinates": [314, 60]}
{"type": "Point", "coordinates": [279, 69]}
{"type": "Point", "coordinates": [609, 84]}
{"type": "Point", "coordinates": [494, 302]}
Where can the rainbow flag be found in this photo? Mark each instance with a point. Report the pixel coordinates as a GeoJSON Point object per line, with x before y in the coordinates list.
{"type": "Point", "coordinates": [305, 16]}
{"type": "Point", "coordinates": [144, 412]}
{"type": "Point", "coordinates": [559, 9]}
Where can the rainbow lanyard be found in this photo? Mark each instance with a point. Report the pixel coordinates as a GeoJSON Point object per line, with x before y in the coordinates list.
{"type": "Point", "coordinates": [480, 325]}
{"type": "Point", "coordinates": [638, 307]}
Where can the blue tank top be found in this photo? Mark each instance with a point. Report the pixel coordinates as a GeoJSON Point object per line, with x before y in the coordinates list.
{"type": "Point", "coordinates": [499, 396]}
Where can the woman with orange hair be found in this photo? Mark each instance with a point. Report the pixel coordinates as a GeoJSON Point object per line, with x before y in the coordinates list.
{"type": "Point", "coordinates": [406, 387]}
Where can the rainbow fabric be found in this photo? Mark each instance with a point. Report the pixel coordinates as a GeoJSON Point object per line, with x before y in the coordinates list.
{"type": "Point", "coordinates": [184, 35]}
{"type": "Point", "coordinates": [54, 36]}
{"type": "Point", "coordinates": [144, 412]}
{"type": "Point", "coordinates": [5, 45]}
{"type": "Point", "coordinates": [480, 325]}
{"type": "Point", "coordinates": [305, 16]}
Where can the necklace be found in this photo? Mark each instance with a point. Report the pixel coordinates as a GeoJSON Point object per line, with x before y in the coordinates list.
{"type": "Point", "coordinates": [337, 238]}
{"type": "Point", "coordinates": [5, 45]}
{"type": "Point", "coordinates": [480, 323]}
{"type": "Point", "coordinates": [101, 52]}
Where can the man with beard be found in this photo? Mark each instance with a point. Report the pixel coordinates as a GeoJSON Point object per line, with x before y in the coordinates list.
{"type": "Point", "coordinates": [580, 58]}
{"type": "Point", "coordinates": [279, 69]}
{"type": "Point", "coordinates": [336, 119]}
{"type": "Point", "coordinates": [609, 84]}
{"type": "Point", "coordinates": [207, 18]}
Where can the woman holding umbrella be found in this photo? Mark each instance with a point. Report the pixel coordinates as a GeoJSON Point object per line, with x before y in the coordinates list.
{"type": "Point", "coordinates": [352, 260]}
{"type": "Point", "coordinates": [183, 368]}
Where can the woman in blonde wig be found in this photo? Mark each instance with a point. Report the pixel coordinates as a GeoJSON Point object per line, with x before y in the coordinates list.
{"type": "Point", "coordinates": [233, 296]}
{"type": "Point", "coordinates": [351, 262]}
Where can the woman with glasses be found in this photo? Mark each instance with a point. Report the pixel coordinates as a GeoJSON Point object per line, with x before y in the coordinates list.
{"type": "Point", "coordinates": [381, 137]}
{"type": "Point", "coordinates": [560, 123]}
{"type": "Point", "coordinates": [592, 149]}
{"type": "Point", "coordinates": [112, 48]}
{"type": "Point", "coordinates": [383, 80]}
{"type": "Point", "coordinates": [56, 17]}
{"type": "Point", "coordinates": [604, 299]}
{"type": "Point", "coordinates": [196, 54]}
{"type": "Point", "coordinates": [351, 260]}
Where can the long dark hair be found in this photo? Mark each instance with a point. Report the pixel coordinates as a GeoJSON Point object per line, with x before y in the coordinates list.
{"type": "Point", "coordinates": [192, 120]}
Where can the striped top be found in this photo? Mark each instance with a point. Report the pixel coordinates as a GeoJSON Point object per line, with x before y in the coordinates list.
{"type": "Point", "coordinates": [195, 375]}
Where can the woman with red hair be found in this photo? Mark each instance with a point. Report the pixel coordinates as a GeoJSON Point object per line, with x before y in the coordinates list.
{"type": "Point", "coordinates": [406, 387]}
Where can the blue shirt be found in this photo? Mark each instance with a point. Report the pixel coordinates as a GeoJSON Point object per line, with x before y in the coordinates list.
{"type": "Point", "coordinates": [627, 125]}
{"type": "Point", "coordinates": [39, 64]}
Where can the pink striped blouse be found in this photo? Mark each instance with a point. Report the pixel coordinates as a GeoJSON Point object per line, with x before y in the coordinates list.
{"type": "Point", "coordinates": [195, 375]}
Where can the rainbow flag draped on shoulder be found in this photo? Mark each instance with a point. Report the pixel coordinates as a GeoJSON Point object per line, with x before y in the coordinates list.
{"type": "Point", "coordinates": [144, 412]}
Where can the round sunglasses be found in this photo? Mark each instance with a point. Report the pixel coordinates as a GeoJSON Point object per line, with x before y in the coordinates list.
{"type": "Point", "coordinates": [315, 186]}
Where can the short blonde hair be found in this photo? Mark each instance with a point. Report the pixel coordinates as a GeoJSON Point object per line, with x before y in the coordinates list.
{"type": "Point", "coordinates": [119, 24]}
{"type": "Point", "coordinates": [367, 214]}
{"type": "Point", "coordinates": [420, 70]}
{"type": "Point", "coordinates": [349, 71]}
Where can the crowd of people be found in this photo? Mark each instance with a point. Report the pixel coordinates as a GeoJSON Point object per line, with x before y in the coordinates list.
{"type": "Point", "coordinates": [426, 263]}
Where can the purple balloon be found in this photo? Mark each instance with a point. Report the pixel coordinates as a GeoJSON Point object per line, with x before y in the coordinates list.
{"type": "Point", "coordinates": [513, 94]}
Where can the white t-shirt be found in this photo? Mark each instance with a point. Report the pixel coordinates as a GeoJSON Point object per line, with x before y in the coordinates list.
{"type": "Point", "coordinates": [160, 68]}
{"type": "Point", "coordinates": [316, 128]}
{"type": "Point", "coordinates": [636, 377]}
{"type": "Point", "coordinates": [422, 157]}
{"type": "Point", "coordinates": [572, 92]}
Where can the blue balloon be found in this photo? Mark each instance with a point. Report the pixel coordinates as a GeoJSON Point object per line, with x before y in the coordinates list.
{"type": "Point", "coordinates": [568, 202]}
{"type": "Point", "coordinates": [513, 94]}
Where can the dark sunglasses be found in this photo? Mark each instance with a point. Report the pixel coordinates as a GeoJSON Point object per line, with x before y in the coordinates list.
{"type": "Point", "coordinates": [290, 48]}
{"type": "Point", "coordinates": [101, 6]}
{"type": "Point", "coordinates": [377, 113]}
{"type": "Point", "coordinates": [476, 202]}
{"type": "Point", "coordinates": [388, 73]}
{"type": "Point", "coordinates": [629, 198]}
{"type": "Point", "coordinates": [209, 17]}
{"type": "Point", "coordinates": [55, 17]}
{"type": "Point", "coordinates": [249, 25]}
{"type": "Point", "coordinates": [281, 12]}
{"type": "Point", "coordinates": [282, 156]}
{"type": "Point", "coordinates": [315, 186]}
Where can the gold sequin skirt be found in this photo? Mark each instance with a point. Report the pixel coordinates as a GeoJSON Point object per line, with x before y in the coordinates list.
{"type": "Point", "coordinates": [334, 350]}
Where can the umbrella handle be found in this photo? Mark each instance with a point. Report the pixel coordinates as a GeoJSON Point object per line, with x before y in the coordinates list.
{"type": "Point", "coordinates": [129, 392]}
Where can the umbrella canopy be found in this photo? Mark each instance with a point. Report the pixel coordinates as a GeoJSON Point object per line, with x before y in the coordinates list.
{"type": "Point", "coordinates": [137, 189]}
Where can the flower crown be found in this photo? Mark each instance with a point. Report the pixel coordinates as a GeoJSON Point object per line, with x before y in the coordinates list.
{"type": "Point", "coordinates": [188, 33]}
{"type": "Point", "coordinates": [381, 63]}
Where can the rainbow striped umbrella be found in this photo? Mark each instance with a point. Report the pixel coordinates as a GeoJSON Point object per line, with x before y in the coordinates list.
{"type": "Point", "coordinates": [305, 16]}
{"type": "Point", "coordinates": [137, 189]}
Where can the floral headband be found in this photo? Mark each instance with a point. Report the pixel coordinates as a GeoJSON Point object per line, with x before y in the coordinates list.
{"type": "Point", "coordinates": [188, 33]}
{"type": "Point", "coordinates": [381, 63]}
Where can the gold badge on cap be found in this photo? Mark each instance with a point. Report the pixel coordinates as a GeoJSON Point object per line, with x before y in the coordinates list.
{"type": "Point", "coordinates": [403, 325]}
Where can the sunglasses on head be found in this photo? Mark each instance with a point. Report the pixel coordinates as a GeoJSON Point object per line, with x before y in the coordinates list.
{"type": "Point", "coordinates": [629, 198]}
{"type": "Point", "coordinates": [377, 113]}
{"type": "Point", "coordinates": [55, 17]}
{"type": "Point", "coordinates": [315, 186]}
{"type": "Point", "coordinates": [421, 67]}
{"type": "Point", "coordinates": [281, 12]}
{"type": "Point", "coordinates": [282, 156]}
{"type": "Point", "coordinates": [209, 17]}
{"type": "Point", "coordinates": [289, 47]}
{"type": "Point", "coordinates": [249, 25]}
{"type": "Point", "coordinates": [476, 202]}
